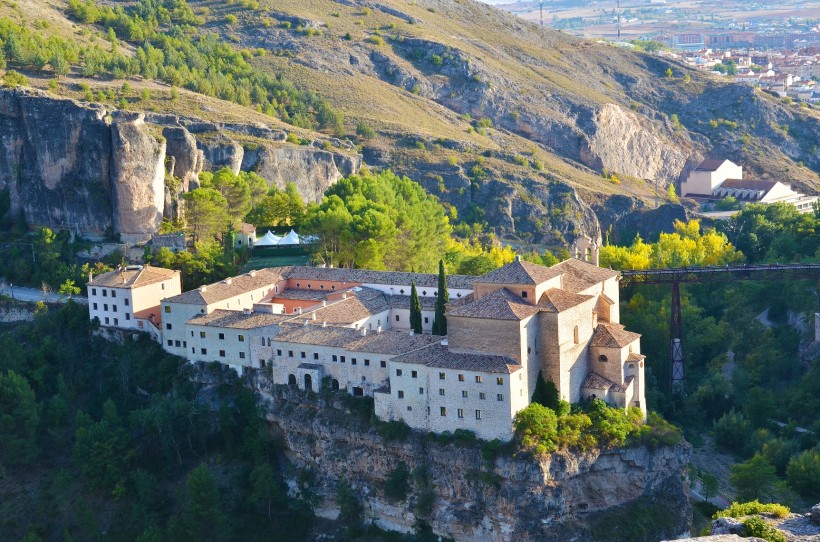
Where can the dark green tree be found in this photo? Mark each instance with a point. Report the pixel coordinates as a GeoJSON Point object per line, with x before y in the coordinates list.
{"type": "Point", "coordinates": [752, 478]}
{"type": "Point", "coordinates": [440, 318]}
{"type": "Point", "coordinates": [415, 309]}
{"type": "Point", "coordinates": [350, 507]}
{"type": "Point", "coordinates": [18, 420]}
{"type": "Point", "coordinates": [546, 393]}
{"type": "Point", "coordinates": [202, 517]}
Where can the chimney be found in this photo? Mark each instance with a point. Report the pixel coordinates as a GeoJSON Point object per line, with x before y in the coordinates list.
{"type": "Point", "coordinates": [313, 315]}
{"type": "Point", "coordinates": [412, 332]}
{"type": "Point", "coordinates": [363, 331]}
{"type": "Point", "coordinates": [90, 276]}
{"type": "Point", "coordinates": [299, 310]}
{"type": "Point", "coordinates": [252, 273]}
{"type": "Point", "coordinates": [228, 280]}
{"type": "Point", "coordinates": [344, 296]}
{"type": "Point", "coordinates": [203, 288]}
{"type": "Point", "coordinates": [517, 258]}
{"type": "Point", "coordinates": [379, 329]}
{"type": "Point", "coordinates": [324, 324]}
{"type": "Point", "coordinates": [324, 302]}
{"type": "Point", "coordinates": [247, 311]}
{"type": "Point", "coordinates": [306, 321]}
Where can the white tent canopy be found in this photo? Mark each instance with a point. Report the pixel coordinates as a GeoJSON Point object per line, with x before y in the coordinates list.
{"type": "Point", "coordinates": [292, 238]}
{"type": "Point", "coordinates": [267, 240]}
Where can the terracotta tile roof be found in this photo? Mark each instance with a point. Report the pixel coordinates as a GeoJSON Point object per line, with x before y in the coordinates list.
{"type": "Point", "coordinates": [247, 228]}
{"type": "Point", "coordinates": [366, 276]}
{"type": "Point", "coordinates": [498, 305]}
{"type": "Point", "coordinates": [594, 381]}
{"type": "Point", "coordinates": [304, 294]}
{"type": "Point", "coordinates": [519, 272]}
{"type": "Point", "coordinates": [747, 184]}
{"type": "Point", "coordinates": [228, 288]}
{"type": "Point", "coordinates": [133, 277]}
{"type": "Point", "coordinates": [635, 357]}
{"type": "Point", "coordinates": [556, 300]}
{"type": "Point", "coordinates": [386, 342]}
{"type": "Point", "coordinates": [403, 302]}
{"type": "Point", "coordinates": [710, 165]}
{"type": "Point", "coordinates": [439, 356]}
{"type": "Point", "coordinates": [612, 336]}
{"type": "Point", "coordinates": [360, 303]}
{"type": "Point", "coordinates": [578, 275]}
{"type": "Point", "coordinates": [238, 319]}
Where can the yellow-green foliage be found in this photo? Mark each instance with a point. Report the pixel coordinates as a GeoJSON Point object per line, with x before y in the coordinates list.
{"type": "Point", "coordinates": [687, 246]}
{"type": "Point", "coordinates": [757, 527]}
{"type": "Point", "coordinates": [739, 510]}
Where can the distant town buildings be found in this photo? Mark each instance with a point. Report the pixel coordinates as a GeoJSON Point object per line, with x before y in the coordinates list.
{"type": "Point", "coordinates": [349, 329]}
{"type": "Point", "coordinates": [715, 180]}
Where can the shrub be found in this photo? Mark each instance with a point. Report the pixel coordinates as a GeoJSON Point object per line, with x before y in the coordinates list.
{"type": "Point", "coordinates": [803, 473]}
{"type": "Point", "coordinates": [757, 526]}
{"type": "Point", "coordinates": [365, 131]}
{"type": "Point", "coordinates": [394, 430]}
{"type": "Point", "coordinates": [536, 428]}
{"type": "Point", "coordinates": [13, 79]}
{"type": "Point", "coordinates": [730, 431]}
{"type": "Point", "coordinates": [231, 18]}
{"type": "Point", "coordinates": [396, 484]}
{"type": "Point", "coordinates": [738, 510]}
{"type": "Point", "coordinates": [293, 138]}
{"type": "Point", "coordinates": [376, 40]}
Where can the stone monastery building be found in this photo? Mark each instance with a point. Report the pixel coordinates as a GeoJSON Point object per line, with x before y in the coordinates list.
{"type": "Point", "coordinates": [351, 329]}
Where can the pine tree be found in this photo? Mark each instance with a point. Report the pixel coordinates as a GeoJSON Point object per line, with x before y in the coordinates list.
{"type": "Point", "coordinates": [440, 319]}
{"type": "Point", "coordinates": [415, 309]}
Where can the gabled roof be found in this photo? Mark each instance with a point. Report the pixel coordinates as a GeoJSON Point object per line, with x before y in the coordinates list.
{"type": "Point", "coordinates": [747, 184]}
{"type": "Point", "coordinates": [579, 275]}
{"type": "Point", "coordinates": [238, 319]}
{"type": "Point", "coordinates": [133, 277]}
{"type": "Point", "coordinates": [557, 300]}
{"type": "Point", "coordinates": [498, 305]}
{"type": "Point", "coordinates": [519, 272]}
{"type": "Point", "coordinates": [360, 303]}
{"type": "Point", "coordinates": [366, 276]}
{"type": "Point", "coordinates": [710, 165]}
{"type": "Point", "coordinates": [594, 381]}
{"type": "Point", "coordinates": [228, 288]}
{"type": "Point", "coordinates": [438, 356]}
{"type": "Point", "coordinates": [612, 336]}
{"type": "Point", "coordinates": [386, 342]}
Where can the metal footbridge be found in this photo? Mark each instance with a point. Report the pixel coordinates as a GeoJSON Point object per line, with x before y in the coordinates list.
{"type": "Point", "coordinates": [687, 275]}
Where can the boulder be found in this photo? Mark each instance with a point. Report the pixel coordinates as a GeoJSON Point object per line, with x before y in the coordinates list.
{"type": "Point", "coordinates": [814, 515]}
{"type": "Point", "coordinates": [727, 526]}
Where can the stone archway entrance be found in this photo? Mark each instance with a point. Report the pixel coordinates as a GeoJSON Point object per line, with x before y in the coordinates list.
{"type": "Point", "coordinates": [291, 380]}
{"type": "Point", "coordinates": [334, 384]}
{"type": "Point", "coordinates": [308, 383]}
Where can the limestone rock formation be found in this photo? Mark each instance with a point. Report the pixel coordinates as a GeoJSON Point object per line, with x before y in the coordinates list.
{"type": "Point", "coordinates": [560, 497]}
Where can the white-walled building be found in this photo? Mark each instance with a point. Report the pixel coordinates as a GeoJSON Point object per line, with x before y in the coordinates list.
{"type": "Point", "coordinates": [708, 176]}
{"type": "Point", "coordinates": [349, 329]}
{"type": "Point", "coordinates": [129, 297]}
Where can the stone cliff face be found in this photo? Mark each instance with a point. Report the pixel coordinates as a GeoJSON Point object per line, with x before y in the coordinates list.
{"type": "Point", "coordinates": [90, 169]}
{"type": "Point", "coordinates": [560, 497]}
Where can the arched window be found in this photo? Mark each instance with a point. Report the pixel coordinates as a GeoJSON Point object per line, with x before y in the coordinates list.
{"type": "Point", "coordinates": [308, 383]}
{"type": "Point", "coordinates": [334, 384]}
{"type": "Point", "coordinates": [291, 380]}
{"type": "Point", "coordinates": [602, 358]}
{"type": "Point", "coordinates": [309, 285]}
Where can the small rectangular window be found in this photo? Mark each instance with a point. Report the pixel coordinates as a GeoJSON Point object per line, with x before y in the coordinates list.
{"type": "Point", "coordinates": [441, 391]}
{"type": "Point", "coordinates": [441, 376]}
{"type": "Point", "coordinates": [500, 397]}
{"type": "Point", "coordinates": [168, 326]}
{"type": "Point", "coordinates": [500, 381]}
{"type": "Point", "coordinates": [242, 355]}
{"type": "Point", "coordinates": [303, 355]}
{"type": "Point", "coordinates": [482, 395]}
{"type": "Point", "coordinates": [93, 291]}
{"type": "Point", "coordinates": [221, 353]}
{"type": "Point", "coordinates": [127, 302]}
{"type": "Point", "coordinates": [170, 342]}
{"type": "Point", "coordinates": [409, 408]}
{"type": "Point", "coordinates": [106, 320]}
{"type": "Point", "coordinates": [221, 336]}
{"type": "Point", "coordinates": [278, 352]}
{"type": "Point", "coordinates": [461, 413]}
{"type": "Point", "coordinates": [342, 359]}
{"type": "Point", "coordinates": [262, 363]}
{"type": "Point", "coordinates": [414, 374]}
{"type": "Point", "coordinates": [201, 334]}
{"type": "Point", "coordinates": [335, 358]}
{"type": "Point", "coordinates": [316, 355]}
{"type": "Point", "coordinates": [524, 293]}
{"type": "Point", "coordinates": [397, 318]}
{"type": "Point", "coordinates": [353, 361]}
{"type": "Point", "coordinates": [382, 364]}
{"type": "Point", "coordinates": [421, 391]}
{"type": "Point", "coordinates": [478, 379]}
{"type": "Point", "coordinates": [105, 307]}
{"type": "Point", "coordinates": [105, 293]}
{"type": "Point", "coordinates": [401, 394]}
{"type": "Point", "coordinates": [176, 343]}
{"type": "Point", "coordinates": [113, 293]}
{"type": "Point", "coordinates": [204, 351]}
{"type": "Point", "coordinates": [290, 353]}
{"type": "Point", "coordinates": [464, 393]}
{"type": "Point", "coordinates": [477, 414]}
{"type": "Point", "coordinates": [398, 372]}
{"type": "Point", "coordinates": [95, 306]}
{"type": "Point", "coordinates": [114, 308]}
{"type": "Point", "coordinates": [367, 363]}
{"type": "Point", "coordinates": [241, 338]}
{"type": "Point", "coordinates": [192, 333]}
{"type": "Point", "coordinates": [443, 411]}
{"type": "Point", "coordinates": [426, 320]}
{"type": "Point", "coordinates": [193, 350]}
{"type": "Point", "coordinates": [116, 322]}
{"type": "Point", "coordinates": [461, 378]}
{"type": "Point", "coordinates": [127, 316]}
{"type": "Point", "coordinates": [167, 308]}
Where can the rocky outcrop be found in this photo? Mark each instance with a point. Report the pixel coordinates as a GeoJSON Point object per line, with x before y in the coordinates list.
{"type": "Point", "coordinates": [462, 491]}
{"type": "Point", "coordinates": [137, 177]}
{"type": "Point", "coordinates": [92, 169]}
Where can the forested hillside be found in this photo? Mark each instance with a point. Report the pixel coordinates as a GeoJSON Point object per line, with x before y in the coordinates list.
{"type": "Point", "coordinates": [752, 376]}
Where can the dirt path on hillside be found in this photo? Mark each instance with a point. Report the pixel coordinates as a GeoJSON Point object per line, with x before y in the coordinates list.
{"type": "Point", "coordinates": [712, 461]}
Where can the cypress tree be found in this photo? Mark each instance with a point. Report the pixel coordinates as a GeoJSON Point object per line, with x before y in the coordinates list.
{"type": "Point", "coordinates": [440, 319]}
{"type": "Point", "coordinates": [415, 309]}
